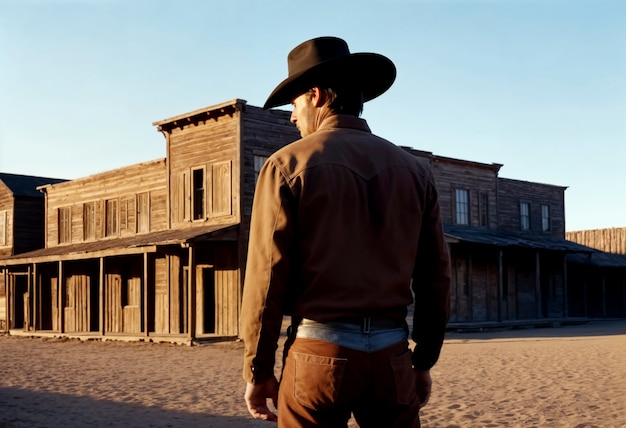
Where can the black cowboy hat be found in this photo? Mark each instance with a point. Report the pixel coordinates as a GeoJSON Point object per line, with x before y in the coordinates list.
{"type": "Point", "coordinates": [326, 59]}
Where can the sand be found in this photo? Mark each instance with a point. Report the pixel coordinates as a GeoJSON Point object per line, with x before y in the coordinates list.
{"type": "Point", "coordinates": [572, 376]}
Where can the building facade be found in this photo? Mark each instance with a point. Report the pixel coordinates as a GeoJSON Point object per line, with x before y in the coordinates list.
{"type": "Point", "coordinates": [157, 251]}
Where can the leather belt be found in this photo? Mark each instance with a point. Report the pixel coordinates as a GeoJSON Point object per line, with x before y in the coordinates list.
{"type": "Point", "coordinates": [368, 324]}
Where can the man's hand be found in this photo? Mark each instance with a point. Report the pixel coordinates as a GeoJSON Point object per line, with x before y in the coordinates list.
{"type": "Point", "coordinates": [256, 398]}
{"type": "Point", "coordinates": [423, 385]}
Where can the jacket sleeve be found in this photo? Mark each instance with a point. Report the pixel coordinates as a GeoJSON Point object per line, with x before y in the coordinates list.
{"type": "Point", "coordinates": [267, 272]}
{"type": "Point", "coordinates": [431, 285]}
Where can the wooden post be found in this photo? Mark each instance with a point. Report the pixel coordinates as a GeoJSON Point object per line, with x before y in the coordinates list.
{"type": "Point", "coordinates": [565, 289]}
{"type": "Point", "coordinates": [500, 286]}
{"type": "Point", "coordinates": [144, 297]}
{"type": "Point", "coordinates": [101, 298]}
{"type": "Point", "coordinates": [7, 299]}
{"type": "Point", "coordinates": [192, 293]}
{"type": "Point", "coordinates": [61, 288]}
{"type": "Point", "coordinates": [36, 297]}
{"type": "Point", "coordinates": [28, 306]}
{"type": "Point", "coordinates": [538, 303]}
{"type": "Point", "coordinates": [603, 294]}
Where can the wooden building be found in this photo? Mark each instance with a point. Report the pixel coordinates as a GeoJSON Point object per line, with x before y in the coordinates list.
{"type": "Point", "coordinates": [21, 221]}
{"type": "Point", "coordinates": [153, 251]}
{"type": "Point", "coordinates": [157, 250]}
{"type": "Point", "coordinates": [511, 263]}
{"type": "Point", "coordinates": [599, 279]}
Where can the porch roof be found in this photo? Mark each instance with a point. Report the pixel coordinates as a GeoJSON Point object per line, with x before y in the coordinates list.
{"type": "Point", "coordinates": [505, 238]}
{"type": "Point", "coordinates": [598, 259]}
{"type": "Point", "coordinates": [136, 244]}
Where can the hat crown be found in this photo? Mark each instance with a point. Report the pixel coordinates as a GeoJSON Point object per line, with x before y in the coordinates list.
{"type": "Point", "coordinates": [316, 51]}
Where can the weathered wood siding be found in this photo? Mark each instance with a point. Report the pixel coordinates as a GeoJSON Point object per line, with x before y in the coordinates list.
{"type": "Point", "coordinates": [123, 295]}
{"type": "Point", "coordinates": [7, 209]}
{"type": "Point", "coordinates": [513, 192]}
{"type": "Point", "coordinates": [169, 301]}
{"type": "Point", "coordinates": [611, 240]}
{"type": "Point", "coordinates": [477, 179]}
{"type": "Point", "coordinates": [124, 186]}
{"type": "Point", "coordinates": [209, 148]}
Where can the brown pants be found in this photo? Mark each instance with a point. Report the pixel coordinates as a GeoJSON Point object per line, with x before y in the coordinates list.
{"type": "Point", "coordinates": [323, 383]}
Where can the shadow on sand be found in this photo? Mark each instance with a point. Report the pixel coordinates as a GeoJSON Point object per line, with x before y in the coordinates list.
{"type": "Point", "coordinates": [21, 408]}
{"type": "Point", "coordinates": [553, 330]}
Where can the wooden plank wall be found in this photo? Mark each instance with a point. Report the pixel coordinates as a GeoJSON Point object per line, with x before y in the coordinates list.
{"type": "Point", "coordinates": [161, 295]}
{"type": "Point", "coordinates": [6, 221]}
{"type": "Point", "coordinates": [512, 192]}
{"type": "Point", "coordinates": [211, 146]}
{"type": "Point", "coordinates": [226, 293]}
{"type": "Point", "coordinates": [452, 174]}
{"type": "Point", "coordinates": [611, 240]}
{"type": "Point", "coordinates": [77, 307]}
{"type": "Point", "coordinates": [123, 185]}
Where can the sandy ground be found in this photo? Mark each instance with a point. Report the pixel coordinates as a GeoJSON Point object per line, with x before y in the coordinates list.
{"type": "Point", "coordinates": [572, 376]}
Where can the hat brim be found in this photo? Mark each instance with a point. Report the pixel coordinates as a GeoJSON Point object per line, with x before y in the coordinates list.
{"type": "Point", "coordinates": [374, 73]}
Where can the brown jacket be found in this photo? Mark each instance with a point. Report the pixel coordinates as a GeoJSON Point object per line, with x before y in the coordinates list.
{"type": "Point", "coordinates": [342, 220]}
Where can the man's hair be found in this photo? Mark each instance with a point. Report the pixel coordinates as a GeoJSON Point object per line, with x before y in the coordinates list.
{"type": "Point", "coordinates": [344, 98]}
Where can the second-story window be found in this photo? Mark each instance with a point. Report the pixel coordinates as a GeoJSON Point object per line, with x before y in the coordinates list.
{"type": "Point", "coordinates": [545, 218]}
{"type": "Point", "coordinates": [524, 215]}
{"type": "Point", "coordinates": [89, 221]}
{"type": "Point", "coordinates": [462, 206]}
{"type": "Point", "coordinates": [258, 164]}
{"type": "Point", "coordinates": [198, 199]}
{"type": "Point", "coordinates": [112, 218]}
{"type": "Point", "coordinates": [65, 225]}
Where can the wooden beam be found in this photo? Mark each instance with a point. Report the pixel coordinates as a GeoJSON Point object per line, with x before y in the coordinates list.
{"type": "Point", "coordinates": [538, 303]}
{"type": "Point", "coordinates": [101, 298]}
{"type": "Point", "coordinates": [144, 298]}
{"type": "Point", "coordinates": [61, 288]}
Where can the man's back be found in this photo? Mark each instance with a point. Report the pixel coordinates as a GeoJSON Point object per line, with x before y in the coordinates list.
{"type": "Point", "coordinates": [359, 201]}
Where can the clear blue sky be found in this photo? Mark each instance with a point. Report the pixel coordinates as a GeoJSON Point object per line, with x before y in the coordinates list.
{"type": "Point", "coordinates": [536, 85]}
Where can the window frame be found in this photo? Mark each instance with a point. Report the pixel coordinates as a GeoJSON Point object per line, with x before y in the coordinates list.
{"type": "Point", "coordinates": [546, 218]}
{"type": "Point", "coordinates": [524, 215]}
{"type": "Point", "coordinates": [461, 207]}
{"type": "Point", "coordinates": [198, 194]}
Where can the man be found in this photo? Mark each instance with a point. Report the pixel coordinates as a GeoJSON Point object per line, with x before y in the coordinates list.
{"type": "Point", "coordinates": [342, 222]}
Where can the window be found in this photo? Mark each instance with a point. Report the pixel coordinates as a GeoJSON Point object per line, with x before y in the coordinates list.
{"type": "Point", "coordinates": [143, 212]}
{"type": "Point", "coordinates": [3, 228]}
{"type": "Point", "coordinates": [65, 225]}
{"type": "Point", "coordinates": [483, 209]}
{"type": "Point", "coordinates": [259, 161]}
{"type": "Point", "coordinates": [112, 218]}
{"type": "Point", "coordinates": [89, 221]}
{"type": "Point", "coordinates": [462, 206]}
{"type": "Point", "coordinates": [198, 194]}
{"type": "Point", "coordinates": [524, 211]}
{"type": "Point", "coordinates": [545, 218]}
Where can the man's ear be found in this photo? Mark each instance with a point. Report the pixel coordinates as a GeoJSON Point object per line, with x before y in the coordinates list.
{"type": "Point", "coordinates": [318, 97]}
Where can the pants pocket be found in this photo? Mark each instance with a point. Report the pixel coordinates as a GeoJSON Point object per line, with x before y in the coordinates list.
{"type": "Point", "coordinates": [317, 380]}
{"type": "Point", "coordinates": [404, 378]}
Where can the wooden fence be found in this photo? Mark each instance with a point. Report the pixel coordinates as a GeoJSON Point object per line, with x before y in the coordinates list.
{"type": "Point", "coordinates": [611, 240]}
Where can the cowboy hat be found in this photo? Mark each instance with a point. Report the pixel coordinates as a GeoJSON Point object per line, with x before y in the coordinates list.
{"type": "Point", "coordinates": [328, 59]}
